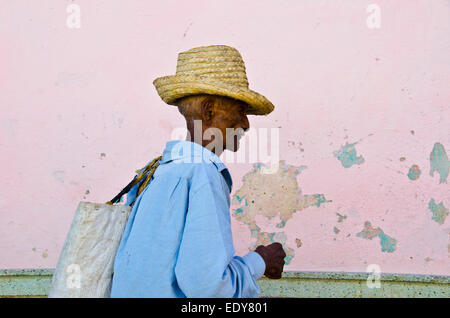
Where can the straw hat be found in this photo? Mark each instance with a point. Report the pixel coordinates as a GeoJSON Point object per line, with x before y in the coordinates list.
{"type": "Point", "coordinates": [215, 70]}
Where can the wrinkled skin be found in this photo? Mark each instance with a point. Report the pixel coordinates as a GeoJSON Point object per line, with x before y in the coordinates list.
{"type": "Point", "coordinates": [231, 115]}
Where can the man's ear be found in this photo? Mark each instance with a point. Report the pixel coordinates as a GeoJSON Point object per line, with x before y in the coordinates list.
{"type": "Point", "coordinates": [207, 109]}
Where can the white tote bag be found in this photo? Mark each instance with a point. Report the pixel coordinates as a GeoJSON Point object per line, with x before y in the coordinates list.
{"type": "Point", "coordinates": [86, 263]}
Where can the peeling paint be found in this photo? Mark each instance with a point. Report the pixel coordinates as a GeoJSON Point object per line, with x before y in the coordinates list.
{"type": "Point", "coordinates": [298, 242]}
{"type": "Point", "coordinates": [265, 238]}
{"type": "Point", "coordinates": [439, 162]}
{"type": "Point", "coordinates": [236, 211]}
{"type": "Point", "coordinates": [281, 237]}
{"type": "Point", "coordinates": [347, 155]}
{"type": "Point", "coordinates": [257, 192]}
{"type": "Point", "coordinates": [281, 224]}
{"type": "Point", "coordinates": [320, 198]}
{"type": "Point", "coordinates": [388, 244]}
{"type": "Point", "coordinates": [341, 217]}
{"type": "Point", "coordinates": [439, 211]}
{"type": "Point", "coordinates": [298, 145]}
{"type": "Point", "coordinates": [336, 230]}
{"type": "Point", "coordinates": [369, 232]}
{"type": "Point", "coordinates": [414, 172]}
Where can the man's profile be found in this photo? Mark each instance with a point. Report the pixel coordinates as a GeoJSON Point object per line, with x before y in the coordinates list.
{"type": "Point", "coordinates": [178, 241]}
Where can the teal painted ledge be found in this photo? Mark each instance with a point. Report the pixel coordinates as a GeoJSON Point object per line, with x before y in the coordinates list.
{"type": "Point", "coordinates": [25, 282]}
{"type": "Point", "coordinates": [355, 285]}
{"type": "Point", "coordinates": [36, 283]}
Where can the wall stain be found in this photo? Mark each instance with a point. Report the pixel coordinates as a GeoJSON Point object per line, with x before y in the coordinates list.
{"type": "Point", "coordinates": [414, 172]}
{"type": "Point", "coordinates": [296, 145]}
{"type": "Point", "coordinates": [341, 217]}
{"type": "Point", "coordinates": [439, 162]}
{"type": "Point", "coordinates": [439, 211]}
{"type": "Point", "coordinates": [347, 155]}
{"type": "Point", "coordinates": [256, 197]}
{"type": "Point", "coordinates": [388, 244]}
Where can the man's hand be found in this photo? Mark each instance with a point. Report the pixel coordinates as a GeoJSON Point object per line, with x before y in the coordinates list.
{"type": "Point", "coordinates": [273, 255]}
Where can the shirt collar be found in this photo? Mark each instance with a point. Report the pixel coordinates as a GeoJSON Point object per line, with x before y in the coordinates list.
{"type": "Point", "coordinates": [191, 152]}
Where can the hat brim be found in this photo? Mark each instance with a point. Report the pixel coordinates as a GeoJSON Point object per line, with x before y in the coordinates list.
{"type": "Point", "coordinates": [170, 88]}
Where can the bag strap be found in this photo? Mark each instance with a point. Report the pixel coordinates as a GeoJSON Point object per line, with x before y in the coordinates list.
{"type": "Point", "coordinates": [145, 174]}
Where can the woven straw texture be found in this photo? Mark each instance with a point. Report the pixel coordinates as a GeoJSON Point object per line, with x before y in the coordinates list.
{"type": "Point", "coordinates": [214, 70]}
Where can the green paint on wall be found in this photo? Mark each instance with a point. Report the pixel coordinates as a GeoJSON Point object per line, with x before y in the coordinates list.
{"type": "Point", "coordinates": [439, 162]}
{"type": "Point", "coordinates": [341, 217]}
{"type": "Point", "coordinates": [347, 155]}
{"type": "Point", "coordinates": [238, 210]}
{"type": "Point", "coordinates": [414, 172]}
{"type": "Point", "coordinates": [388, 244]}
{"type": "Point", "coordinates": [320, 199]}
{"type": "Point", "coordinates": [439, 211]}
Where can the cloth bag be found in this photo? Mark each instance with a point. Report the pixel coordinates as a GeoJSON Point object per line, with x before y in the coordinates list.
{"type": "Point", "coordinates": [86, 262]}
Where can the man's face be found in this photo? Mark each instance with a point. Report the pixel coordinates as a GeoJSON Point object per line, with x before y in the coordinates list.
{"type": "Point", "coordinates": [232, 115]}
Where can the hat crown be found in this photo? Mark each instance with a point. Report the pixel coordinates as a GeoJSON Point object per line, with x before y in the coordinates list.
{"type": "Point", "coordinates": [219, 62]}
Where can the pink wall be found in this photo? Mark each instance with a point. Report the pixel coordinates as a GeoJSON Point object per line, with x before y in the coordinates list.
{"type": "Point", "coordinates": [79, 115]}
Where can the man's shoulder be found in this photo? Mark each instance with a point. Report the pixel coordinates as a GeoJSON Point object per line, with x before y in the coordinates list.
{"type": "Point", "coordinates": [189, 170]}
{"type": "Point", "coordinates": [197, 174]}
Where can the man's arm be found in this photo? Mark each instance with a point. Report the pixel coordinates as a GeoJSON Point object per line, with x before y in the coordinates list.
{"type": "Point", "coordinates": [206, 266]}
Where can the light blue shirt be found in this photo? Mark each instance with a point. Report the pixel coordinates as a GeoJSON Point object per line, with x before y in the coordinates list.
{"type": "Point", "coordinates": [177, 241]}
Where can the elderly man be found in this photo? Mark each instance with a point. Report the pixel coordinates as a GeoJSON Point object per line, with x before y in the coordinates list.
{"type": "Point", "coordinates": [178, 242]}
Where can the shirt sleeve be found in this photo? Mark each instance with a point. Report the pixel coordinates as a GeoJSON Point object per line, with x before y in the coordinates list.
{"type": "Point", "coordinates": [206, 265]}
